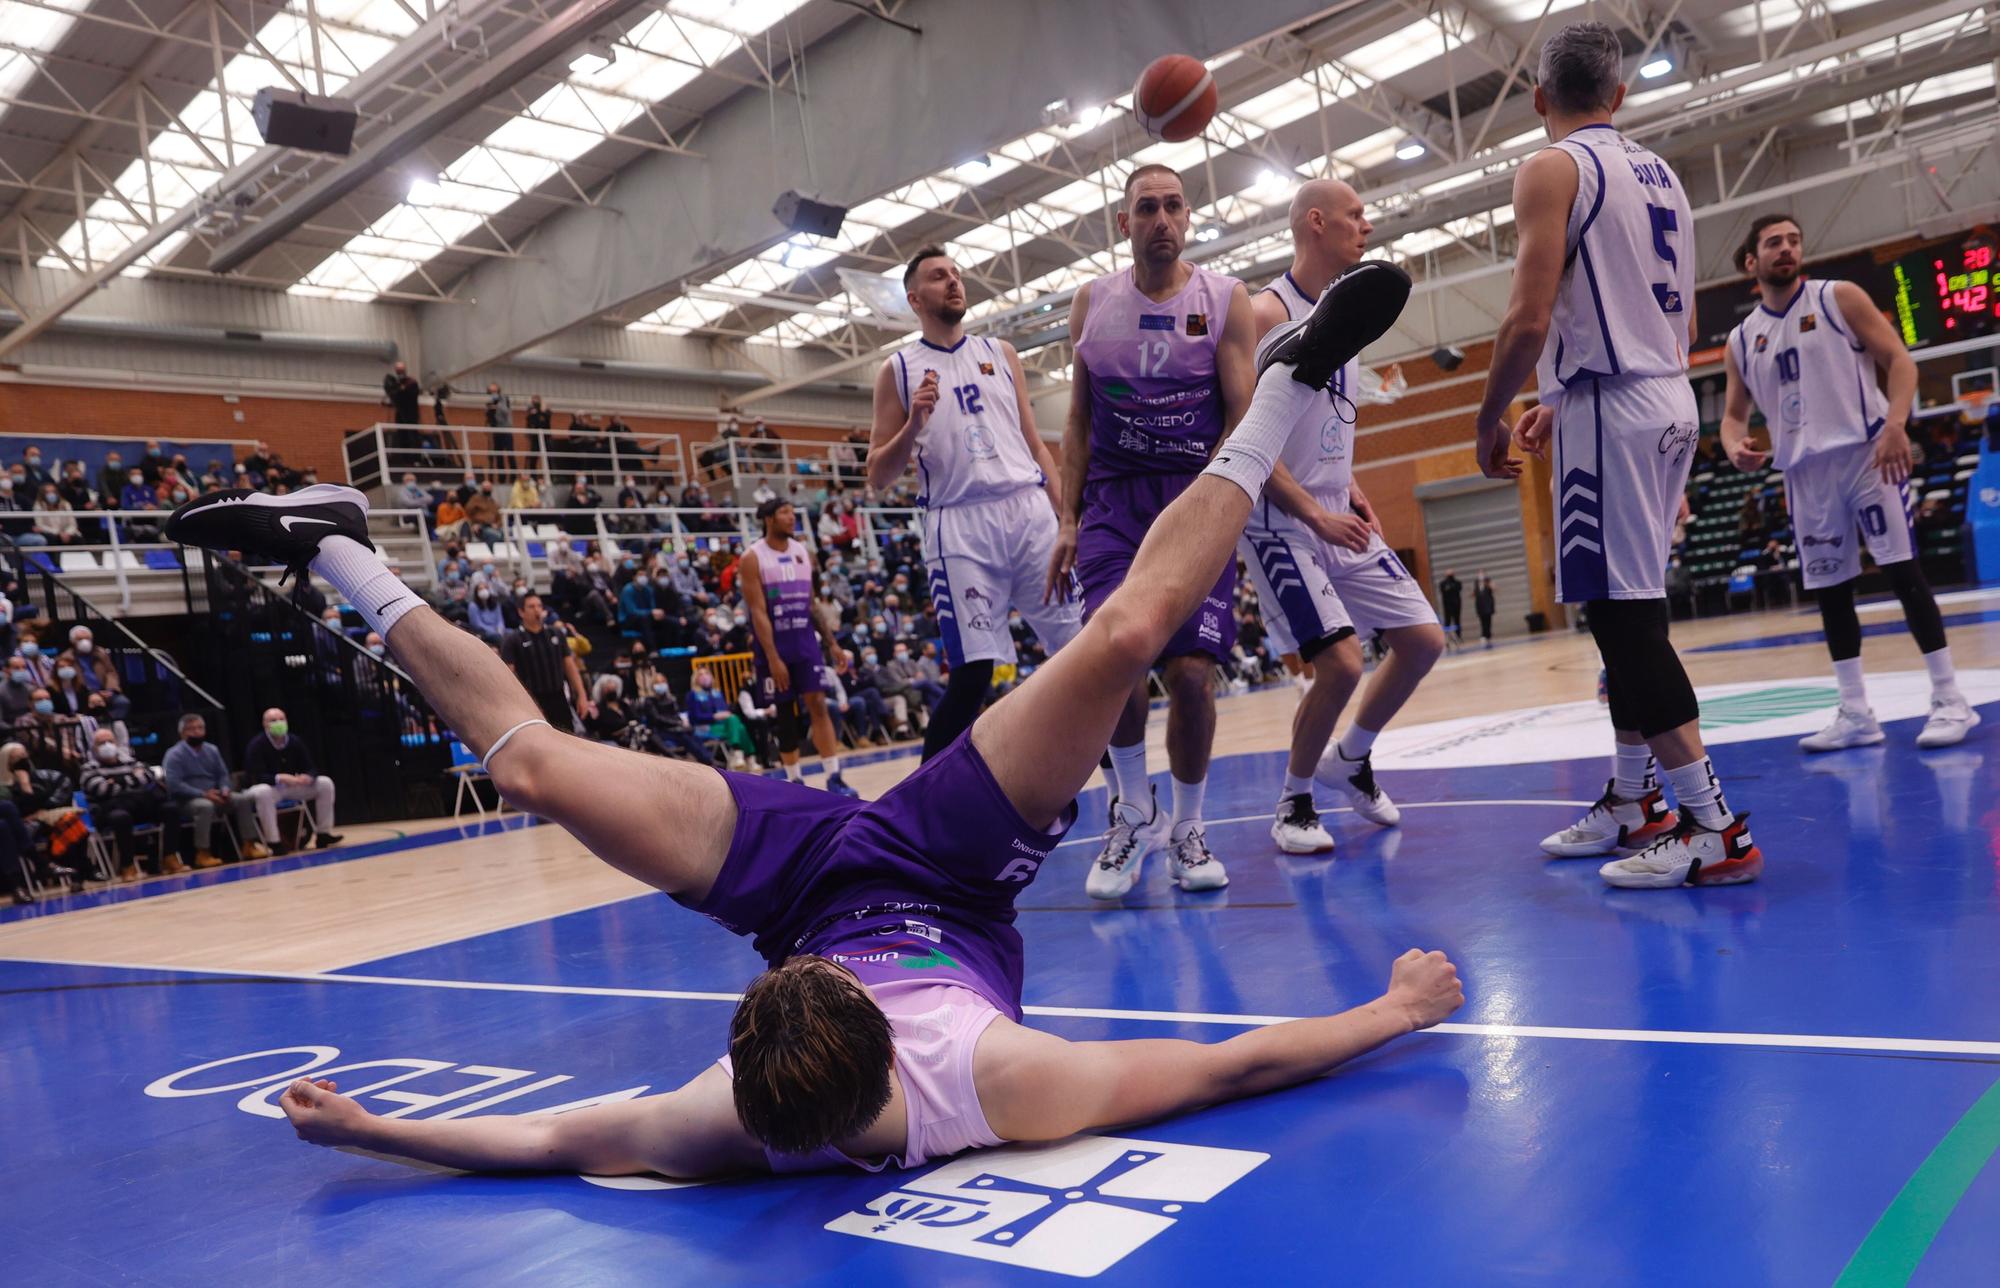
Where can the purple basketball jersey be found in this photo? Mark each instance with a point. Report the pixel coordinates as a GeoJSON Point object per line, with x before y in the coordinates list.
{"type": "Point", "coordinates": [1155, 402]}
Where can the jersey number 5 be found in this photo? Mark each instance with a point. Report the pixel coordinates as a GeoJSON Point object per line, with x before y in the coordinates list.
{"type": "Point", "coordinates": [1664, 222]}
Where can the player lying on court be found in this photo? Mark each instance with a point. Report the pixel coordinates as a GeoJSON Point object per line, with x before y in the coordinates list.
{"type": "Point", "coordinates": [888, 1028]}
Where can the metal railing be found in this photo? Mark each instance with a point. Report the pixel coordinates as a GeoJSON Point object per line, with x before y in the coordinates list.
{"type": "Point", "coordinates": [159, 691]}
{"type": "Point", "coordinates": [382, 454]}
{"type": "Point", "coordinates": [363, 719]}
{"type": "Point", "coordinates": [744, 458]}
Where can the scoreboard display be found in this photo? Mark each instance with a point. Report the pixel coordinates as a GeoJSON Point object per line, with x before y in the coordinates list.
{"type": "Point", "coordinates": [1950, 291]}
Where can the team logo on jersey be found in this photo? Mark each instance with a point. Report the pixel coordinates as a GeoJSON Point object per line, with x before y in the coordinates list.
{"type": "Point", "coordinates": [979, 443]}
{"type": "Point", "coordinates": [1156, 321]}
{"type": "Point", "coordinates": [1074, 1208]}
{"type": "Point", "coordinates": [985, 368]}
{"type": "Point", "coordinates": [1197, 324]}
{"type": "Point", "coordinates": [1823, 567]}
{"type": "Point", "coordinates": [1807, 322]}
{"type": "Point", "coordinates": [1763, 341]}
{"type": "Point", "coordinates": [1332, 446]}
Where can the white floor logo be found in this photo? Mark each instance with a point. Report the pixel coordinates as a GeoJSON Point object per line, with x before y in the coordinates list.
{"type": "Point", "coordinates": [1075, 1208]}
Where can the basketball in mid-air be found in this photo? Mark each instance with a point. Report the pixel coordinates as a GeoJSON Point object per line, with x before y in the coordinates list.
{"type": "Point", "coordinates": [1174, 98]}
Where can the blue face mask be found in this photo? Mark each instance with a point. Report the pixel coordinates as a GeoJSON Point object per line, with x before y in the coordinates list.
{"type": "Point", "coordinates": [660, 689]}
{"type": "Point", "coordinates": [44, 707]}
{"type": "Point", "coordinates": [31, 649]}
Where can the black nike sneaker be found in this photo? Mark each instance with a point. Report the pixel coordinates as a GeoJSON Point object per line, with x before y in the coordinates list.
{"type": "Point", "coordinates": [1354, 311]}
{"type": "Point", "coordinates": [287, 529]}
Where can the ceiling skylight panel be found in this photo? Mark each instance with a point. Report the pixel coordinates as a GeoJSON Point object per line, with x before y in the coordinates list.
{"type": "Point", "coordinates": [32, 28]}
{"type": "Point", "coordinates": [1398, 52]}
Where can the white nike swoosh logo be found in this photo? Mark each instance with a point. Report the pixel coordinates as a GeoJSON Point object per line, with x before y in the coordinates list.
{"type": "Point", "coordinates": [287, 522]}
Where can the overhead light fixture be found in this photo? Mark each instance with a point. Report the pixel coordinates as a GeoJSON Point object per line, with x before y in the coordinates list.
{"type": "Point", "coordinates": [976, 168]}
{"type": "Point", "coordinates": [1657, 68]}
{"type": "Point", "coordinates": [1055, 111]}
{"type": "Point", "coordinates": [1090, 118]}
{"type": "Point", "coordinates": [597, 54]}
{"type": "Point", "coordinates": [423, 192]}
{"type": "Point", "coordinates": [1208, 233]}
{"type": "Point", "coordinates": [1410, 150]}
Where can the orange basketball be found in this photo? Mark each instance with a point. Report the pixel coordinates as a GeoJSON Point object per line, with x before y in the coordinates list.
{"type": "Point", "coordinates": [1174, 98]}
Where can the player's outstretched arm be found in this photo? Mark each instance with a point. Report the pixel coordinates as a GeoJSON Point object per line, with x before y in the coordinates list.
{"type": "Point", "coordinates": [1035, 1086]}
{"type": "Point", "coordinates": [688, 1134]}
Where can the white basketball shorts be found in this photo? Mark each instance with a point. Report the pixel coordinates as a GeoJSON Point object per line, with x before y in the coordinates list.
{"type": "Point", "coordinates": [1840, 503]}
{"type": "Point", "coordinates": [987, 557]}
{"type": "Point", "coordinates": [1309, 589]}
{"type": "Point", "coordinates": [1623, 448]}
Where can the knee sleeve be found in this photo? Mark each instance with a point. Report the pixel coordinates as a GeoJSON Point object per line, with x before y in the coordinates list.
{"type": "Point", "coordinates": [1313, 648]}
{"type": "Point", "coordinates": [964, 694]}
{"type": "Point", "coordinates": [791, 726]}
{"type": "Point", "coordinates": [1919, 605]}
{"type": "Point", "coordinates": [1648, 687]}
{"type": "Point", "coordinates": [1842, 624]}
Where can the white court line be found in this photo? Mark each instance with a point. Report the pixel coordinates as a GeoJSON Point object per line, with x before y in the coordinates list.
{"type": "Point", "coordinates": [1348, 809]}
{"type": "Point", "coordinates": [1688, 1037]}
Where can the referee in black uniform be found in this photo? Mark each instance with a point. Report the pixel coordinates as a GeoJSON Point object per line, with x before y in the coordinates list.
{"type": "Point", "coordinates": [541, 661]}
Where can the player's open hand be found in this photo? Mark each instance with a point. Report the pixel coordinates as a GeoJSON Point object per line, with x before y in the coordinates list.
{"type": "Point", "coordinates": [1532, 430]}
{"type": "Point", "coordinates": [319, 1114]}
{"type": "Point", "coordinates": [923, 399]}
{"type": "Point", "coordinates": [1425, 987]}
{"type": "Point", "coordinates": [1747, 457]}
{"type": "Point", "coordinates": [1892, 455]}
{"type": "Point", "coordinates": [1062, 561]}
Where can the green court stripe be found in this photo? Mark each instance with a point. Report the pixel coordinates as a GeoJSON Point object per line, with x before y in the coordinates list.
{"type": "Point", "coordinates": [1905, 1231]}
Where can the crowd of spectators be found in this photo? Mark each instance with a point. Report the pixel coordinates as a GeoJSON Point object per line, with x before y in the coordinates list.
{"type": "Point", "coordinates": [40, 507]}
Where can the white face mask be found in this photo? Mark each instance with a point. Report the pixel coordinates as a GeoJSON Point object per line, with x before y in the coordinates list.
{"type": "Point", "coordinates": [108, 752]}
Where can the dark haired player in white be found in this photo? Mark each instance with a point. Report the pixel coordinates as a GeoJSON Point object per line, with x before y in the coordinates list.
{"type": "Point", "coordinates": [1603, 304]}
{"type": "Point", "coordinates": [957, 406]}
{"type": "Point", "coordinates": [1807, 354]}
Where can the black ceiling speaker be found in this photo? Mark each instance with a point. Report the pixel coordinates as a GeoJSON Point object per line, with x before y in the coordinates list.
{"type": "Point", "coordinates": [1448, 357]}
{"type": "Point", "coordinates": [288, 119]}
{"type": "Point", "coordinates": [804, 215]}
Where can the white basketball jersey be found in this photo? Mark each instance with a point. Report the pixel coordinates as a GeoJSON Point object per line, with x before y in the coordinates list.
{"type": "Point", "coordinates": [971, 448]}
{"type": "Point", "coordinates": [1321, 457]}
{"type": "Point", "coordinates": [1811, 378]}
{"type": "Point", "coordinates": [1629, 274]}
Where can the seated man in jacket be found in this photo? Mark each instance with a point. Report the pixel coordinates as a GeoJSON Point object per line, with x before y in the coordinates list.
{"type": "Point", "coordinates": [99, 673]}
{"type": "Point", "coordinates": [123, 794]}
{"type": "Point", "coordinates": [198, 782]}
{"type": "Point", "coordinates": [281, 769]}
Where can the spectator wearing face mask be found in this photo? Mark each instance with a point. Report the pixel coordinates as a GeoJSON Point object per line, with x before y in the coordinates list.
{"type": "Point", "coordinates": [199, 784]}
{"type": "Point", "coordinates": [664, 717]}
{"type": "Point", "coordinates": [67, 691]}
{"type": "Point", "coordinates": [904, 669]}
{"type": "Point", "coordinates": [281, 768]}
{"type": "Point", "coordinates": [639, 610]}
{"type": "Point", "coordinates": [41, 666]}
{"type": "Point", "coordinates": [708, 712]}
{"type": "Point", "coordinates": [31, 468]}
{"type": "Point", "coordinates": [482, 514]}
{"type": "Point", "coordinates": [124, 795]}
{"type": "Point", "coordinates": [451, 522]}
{"type": "Point", "coordinates": [850, 716]}
{"type": "Point", "coordinates": [412, 495]}
{"type": "Point", "coordinates": [17, 691]}
{"type": "Point", "coordinates": [16, 508]}
{"type": "Point", "coordinates": [55, 520]}
{"type": "Point", "coordinates": [111, 479]}
{"type": "Point", "coordinates": [55, 740]}
{"type": "Point", "coordinates": [869, 677]}
{"type": "Point", "coordinates": [485, 614]}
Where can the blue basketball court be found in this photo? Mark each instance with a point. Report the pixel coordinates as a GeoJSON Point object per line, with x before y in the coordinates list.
{"type": "Point", "coordinates": [1791, 1082]}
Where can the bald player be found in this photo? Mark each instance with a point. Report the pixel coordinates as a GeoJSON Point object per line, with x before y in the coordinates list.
{"type": "Point", "coordinates": [1316, 555]}
{"type": "Point", "coordinates": [1163, 370]}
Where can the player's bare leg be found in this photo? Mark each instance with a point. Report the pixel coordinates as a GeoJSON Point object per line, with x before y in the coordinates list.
{"type": "Point", "coordinates": [1336, 672]}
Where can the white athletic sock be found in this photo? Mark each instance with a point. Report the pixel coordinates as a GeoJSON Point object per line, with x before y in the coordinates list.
{"type": "Point", "coordinates": [1187, 801]}
{"type": "Point", "coordinates": [795, 771]}
{"type": "Point", "coordinates": [832, 764]}
{"type": "Point", "coordinates": [363, 580]}
{"type": "Point", "coordinates": [1128, 777]}
{"type": "Point", "coordinates": [1296, 787]}
{"type": "Point", "coordinates": [1853, 690]}
{"type": "Point", "coordinates": [1698, 792]}
{"type": "Point", "coordinates": [1944, 680]}
{"type": "Point", "coordinates": [1357, 742]}
{"type": "Point", "coordinates": [1633, 765]}
{"type": "Point", "coordinates": [1248, 456]}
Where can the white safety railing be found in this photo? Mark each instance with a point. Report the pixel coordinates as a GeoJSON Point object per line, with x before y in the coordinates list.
{"type": "Point", "coordinates": [383, 453]}
{"type": "Point", "coordinates": [123, 548]}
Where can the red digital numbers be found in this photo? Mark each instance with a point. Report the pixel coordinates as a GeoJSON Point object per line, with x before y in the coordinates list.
{"type": "Point", "coordinates": [1977, 257]}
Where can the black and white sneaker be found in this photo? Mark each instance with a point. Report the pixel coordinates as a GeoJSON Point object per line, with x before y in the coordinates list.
{"type": "Point", "coordinates": [1356, 309]}
{"type": "Point", "coordinates": [286, 529]}
{"type": "Point", "coordinates": [1298, 830]}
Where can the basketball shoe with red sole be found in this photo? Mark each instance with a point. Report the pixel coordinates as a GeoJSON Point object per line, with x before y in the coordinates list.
{"type": "Point", "coordinates": [1691, 855]}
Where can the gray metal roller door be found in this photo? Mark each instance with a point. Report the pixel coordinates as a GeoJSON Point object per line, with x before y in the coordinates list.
{"type": "Point", "coordinates": [1470, 529]}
